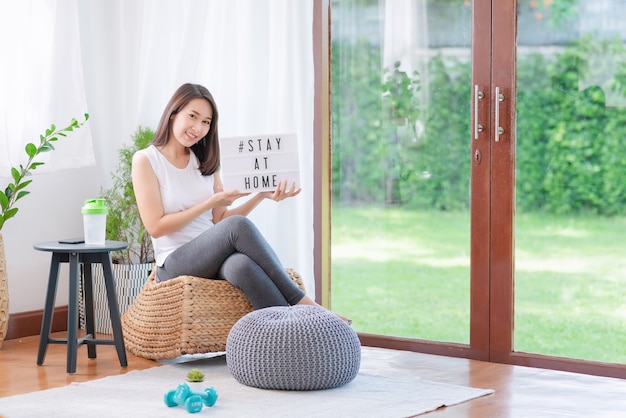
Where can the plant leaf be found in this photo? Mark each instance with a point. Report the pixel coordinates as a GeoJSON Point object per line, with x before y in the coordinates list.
{"type": "Point", "coordinates": [4, 200]}
{"type": "Point", "coordinates": [10, 213]}
{"type": "Point", "coordinates": [15, 174]}
{"type": "Point", "coordinates": [22, 185]}
{"type": "Point", "coordinates": [31, 150]}
{"type": "Point", "coordinates": [22, 194]}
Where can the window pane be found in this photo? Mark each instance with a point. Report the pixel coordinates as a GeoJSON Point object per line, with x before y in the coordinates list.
{"type": "Point", "coordinates": [571, 196]}
{"type": "Point", "coordinates": [400, 167]}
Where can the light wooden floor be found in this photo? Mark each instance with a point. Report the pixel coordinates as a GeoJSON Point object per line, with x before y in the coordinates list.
{"type": "Point", "coordinates": [520, 391]}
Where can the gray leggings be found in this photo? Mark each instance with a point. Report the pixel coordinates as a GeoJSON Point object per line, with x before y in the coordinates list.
{"type": "Point", "coordinates": [235, 250]}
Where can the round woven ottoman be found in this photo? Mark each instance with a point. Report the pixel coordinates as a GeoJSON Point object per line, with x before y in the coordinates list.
{"type": "Point", "coordinates": [293, 348]}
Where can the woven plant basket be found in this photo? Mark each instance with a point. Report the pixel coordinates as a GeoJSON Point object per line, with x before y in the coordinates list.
{"type": "Point", "coordinates": [129, 279]}
{"type": "Point", "coordinates": [184, 315]}
{"type": "Point", "coordinates": [4, 294]}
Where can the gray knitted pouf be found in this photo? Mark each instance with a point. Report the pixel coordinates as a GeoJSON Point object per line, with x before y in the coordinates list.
{"type": "Point", "coordinates": [293, 348]}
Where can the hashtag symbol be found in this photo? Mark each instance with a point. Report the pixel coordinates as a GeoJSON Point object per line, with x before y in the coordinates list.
{"type": "Point", "coordinates": [240, 146]}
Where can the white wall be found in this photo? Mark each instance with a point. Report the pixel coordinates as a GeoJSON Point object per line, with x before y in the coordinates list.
{"type": "Point", "coordinates": [50, 212]}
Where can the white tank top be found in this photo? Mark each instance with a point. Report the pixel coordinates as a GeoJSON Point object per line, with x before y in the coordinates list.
{"type": "Point", "coordinates": [181, 188]}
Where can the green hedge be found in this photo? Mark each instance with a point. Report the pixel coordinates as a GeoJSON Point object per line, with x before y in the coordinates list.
{"type": "Point", "coordinates": [569, 143]}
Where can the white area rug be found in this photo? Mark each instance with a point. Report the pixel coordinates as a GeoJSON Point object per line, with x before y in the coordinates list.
{"type": "Point", "coordinates": [140, 394]}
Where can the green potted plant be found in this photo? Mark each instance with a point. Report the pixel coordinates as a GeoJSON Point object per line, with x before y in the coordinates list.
{"type": "Point", "coordinates": [123, 221]}
{"type": "Point", "coordinates": [16, 190]}
{"type": "Point", "coordinates": [195, 375]}
{"type": "Point", "coordinates": [195, 380]}
{"type": "Point", "coordinates": [133, 265]}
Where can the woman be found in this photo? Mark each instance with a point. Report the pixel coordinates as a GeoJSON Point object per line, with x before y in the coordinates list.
{"type": "Point", "coordinates": [186, 211]}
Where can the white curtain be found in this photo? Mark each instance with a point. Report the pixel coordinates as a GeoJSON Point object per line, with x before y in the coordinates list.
{"type": "Point", "coordinates": [255, 56]}
{"type": "Point", "coordinates": [405, 32]}
{"type": "Point", "coordinates": [405, 38]}
{"type": "Point", "coordinates": [41, 82]}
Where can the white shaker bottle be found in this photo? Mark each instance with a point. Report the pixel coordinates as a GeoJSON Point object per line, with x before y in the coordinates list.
{"type": "Point", "coordinates": [94, 221]}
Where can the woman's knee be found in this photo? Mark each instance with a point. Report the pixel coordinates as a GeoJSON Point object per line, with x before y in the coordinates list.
{"type": "Point", "coordinates": [236, 221]}
{"type": "Point", "coordinates": [241, 226]}
{"type": "Point", "coordinates": [237, 267]}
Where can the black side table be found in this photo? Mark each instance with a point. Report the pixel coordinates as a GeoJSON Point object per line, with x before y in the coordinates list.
{"type": "Point", "coordinates": [74, 254]}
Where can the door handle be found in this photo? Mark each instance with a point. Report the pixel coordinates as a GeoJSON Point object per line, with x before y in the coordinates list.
{"type": "Point", "coordinates": [499, 129]}
{"type": "Point", "coordinates": [477, 96]}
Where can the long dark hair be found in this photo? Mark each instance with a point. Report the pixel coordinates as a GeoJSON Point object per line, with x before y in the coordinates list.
{"type": "Point", "coordinates": [208, 148]}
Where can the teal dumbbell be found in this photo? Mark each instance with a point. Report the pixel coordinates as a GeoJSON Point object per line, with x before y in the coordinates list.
{"type": "Point", "coordinates": [192, 401]}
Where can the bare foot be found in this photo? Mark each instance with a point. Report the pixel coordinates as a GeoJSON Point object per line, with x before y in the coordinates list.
{"type": "Point", "coordinates": [308, 301]}
{"type": "Point", "coordinates": [344, 319]}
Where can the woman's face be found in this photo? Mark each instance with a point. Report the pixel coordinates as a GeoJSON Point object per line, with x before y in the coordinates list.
{"type": "Point", "coordinates": [192, 123]}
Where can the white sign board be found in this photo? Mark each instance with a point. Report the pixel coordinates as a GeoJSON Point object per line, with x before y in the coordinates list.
{"type": "Point", "coordinates": [257, 163]}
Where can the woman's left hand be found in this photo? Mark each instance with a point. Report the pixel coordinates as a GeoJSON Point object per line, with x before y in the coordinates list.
{"type": "Point", "coordinates": [282, 192]}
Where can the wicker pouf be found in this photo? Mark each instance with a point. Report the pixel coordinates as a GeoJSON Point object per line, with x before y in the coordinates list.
{"type": "Point", "coordinates": [184, 315]}
{"type": "Point", "coordinates": [293, 348]}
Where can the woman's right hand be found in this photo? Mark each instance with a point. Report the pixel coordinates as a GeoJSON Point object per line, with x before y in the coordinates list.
{"type": "Point", "coordinates": [223, 198]}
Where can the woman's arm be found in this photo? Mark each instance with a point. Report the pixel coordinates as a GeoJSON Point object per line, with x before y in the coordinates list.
{"type": "Point", "coordinates": [148, 195]}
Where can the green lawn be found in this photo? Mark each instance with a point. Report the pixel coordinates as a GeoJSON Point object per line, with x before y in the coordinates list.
{"type": "Point", "coordinates": [406, 273]}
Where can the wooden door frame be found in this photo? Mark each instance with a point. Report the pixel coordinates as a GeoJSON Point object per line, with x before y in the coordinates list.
{"type": "Point", "coordinates": [480, 195]}
{"type": "Point", "coordinates": [492, 202]}
{"type": "Point", "coordinates": [321, 151]}
{"type": "Point", "coordinates": [322, 211]}
{"type": "Point", "coordinates": [502, 181]}
{"type": "Point", "coordinates": [502, 236]}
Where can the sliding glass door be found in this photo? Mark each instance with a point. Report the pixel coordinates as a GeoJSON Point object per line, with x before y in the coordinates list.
{"type": "Point", "coordinates": [570, 269]}
{"type": "Point", "coordinates": [477, 171]}
{"type": "Point", "coordinates": [400, 173]}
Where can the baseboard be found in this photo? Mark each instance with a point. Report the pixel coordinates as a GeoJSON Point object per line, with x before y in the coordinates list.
{"type": "Point", "coordinates": [25, 324]}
